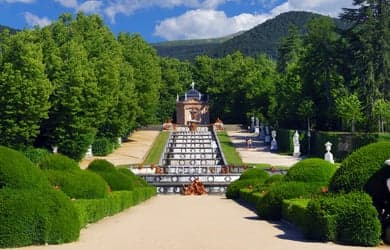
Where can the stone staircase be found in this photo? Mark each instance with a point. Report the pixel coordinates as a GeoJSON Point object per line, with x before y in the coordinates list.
{"type": "Point", "coordinates": [189, 155]}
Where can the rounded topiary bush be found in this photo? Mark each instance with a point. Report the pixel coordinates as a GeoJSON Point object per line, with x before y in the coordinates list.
{"type": "Point", "coordinates": [270, 206]}
{"type": "Point", "coordinates": [346, 218]}
{"type": "Point", "coordinates": [16, 171]}
{"type": "Point", "coordinates": [311, 170]}
{"type": "Point", "coordinates": [254, 173]}
{"type": "Point", "coordinates": [115, 179]}
{"type": "Point", "coordinates": [59, 162]}
{"type": "Point", "coordinates": [33, 216]}
{"type": "Point", "coordinates": [138, 182]}
{"type": "Point", "coordinates": [233, 190]}
{"type": "Point", "coordinates": [79, 184]}
{"type": "Point", "coordinates": [274, 179]}
{"type": "Point", "coordinates": [36, 155]}
{"type": "Point", "coordinates": [359, 171]}
{"type": "Point", "coordinates": [101, 165]}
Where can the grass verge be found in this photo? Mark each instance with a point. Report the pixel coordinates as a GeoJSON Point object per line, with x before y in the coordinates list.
{"type": "Point", "coordinates": [157, 149]}
{"type": "Point", "coordinates": [231, 155]}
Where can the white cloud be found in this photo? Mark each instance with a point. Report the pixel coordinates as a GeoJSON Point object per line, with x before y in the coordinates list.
{"type": "Point", "coordinates": [68, 3]}
{"type": "Point", "coordinates": [33, 20]}
{"type": "Point", "coordinates": [208, 23]}
{"type": "Point", "coordinates": [326, 7]}
{"type": "Point", "coordinates": [90, 6]}
{"type": "Point", "coordinates": [127, 7]}
{"type": "Point", "coordinates": [205, 24]}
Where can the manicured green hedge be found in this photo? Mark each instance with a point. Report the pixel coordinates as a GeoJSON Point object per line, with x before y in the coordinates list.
{"type": "Point", "coordinates": [274, 179]}
{"type": "Point", "coordinates": [117, 180]}
{"type": "Point", "coordinates": [92, 210]}
{"type": "Point", "coordinates": [36, 155]}
{"type": "Point", "coordinates": [252, 198]}
{"type": "Point", "coordinates": [59, 162]}
{"type": "Point", "coordinates": [295, 211]}
{"type": "Point", "coordinates": [343, 143]}
{"type": "Point", "coordinates": [270, 206]}
{"type": "Point", "coordinates": [254, 173]}
{"type": "Point", "coordinates": [33, 216]}
{"type": "Point", "coordinates": [102, 147]}
{"type": "Point", "coordinates": [359, 171]}
{"type": "Point", "coordinates": [17, 172]}
{"type": "Point", "coordinates": [347, 218]}
{"type": "Point", "coordinates": [137, 181]}
{"type": "Point", "coordinates": [311, 170]}
{"type": "Point", "coordinates": [79, 184]}
{"type": "Point", "coordinates": [232, 191]}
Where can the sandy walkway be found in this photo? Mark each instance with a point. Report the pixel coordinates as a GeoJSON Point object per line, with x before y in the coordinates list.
{"type": "Point", "coordinates": [258, 153]}
{"type": "Point", "coordinates": [131, 152]}
{"type": "Point", "coordinates": [190, 223]}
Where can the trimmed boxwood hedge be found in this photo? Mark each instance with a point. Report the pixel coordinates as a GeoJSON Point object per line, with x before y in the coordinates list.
{"type": "Point", "coordinates": [137, 181]}
{"type": "Point", "coordinates": [347, 218]}
{"type": "Point", "coordinates": [92, 210]}
{"type": "Point", "coordinates": [295, 211]}
{"type": "Point", "coordinates": [254, 173]}
{"type": "Point", "coordinates": [102, 147]}
{"type": "Point", "coordinates": [17, 172]}
{"type": "Point", "coordinates": [78, 184]}
{"type": "Point", "coordinates": [232, 191]}
{"type": "Point", "coordinates": [358, 171]}
{"type": "Point", "coordinates": [36, 216]}
{"type": "Point", "coordinates": [274, 179]}
{"type": "Point", "coordinates": [270, 206]}
{"type": "Point", "coordinates": [251, 197]}
{"type": "Point", "coordinates": [311, 170]}
{"type": "Point", "coordinates": [59, 162]}
{"type": "Point", "coordinates": [115, 179]}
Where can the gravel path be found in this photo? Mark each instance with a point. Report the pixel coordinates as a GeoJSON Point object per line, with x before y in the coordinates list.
{"type": "Point", "coordinates": [258, 153]}
{"type": "Point", "coordinates": [190, 223]}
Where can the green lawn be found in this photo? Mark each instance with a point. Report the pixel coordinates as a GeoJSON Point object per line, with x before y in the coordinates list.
{"type": "Point", "coordinates": [157, 149]}
{"type": "Point", "coordinates": [231, 155]}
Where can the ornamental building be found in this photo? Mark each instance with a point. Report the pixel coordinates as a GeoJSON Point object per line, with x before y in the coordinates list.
{"type": "Point", "coordinates": [192, 107]}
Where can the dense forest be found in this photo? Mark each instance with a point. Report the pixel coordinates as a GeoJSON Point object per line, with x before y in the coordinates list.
{"type": "Point", "coordinates": [73, 82]}
{"type": "Point", "coordinates": [262, 39]}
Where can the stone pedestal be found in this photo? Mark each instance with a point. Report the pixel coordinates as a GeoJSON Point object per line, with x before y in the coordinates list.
{"type": "Point", "coordinates": [297, 151]}
{"type": "Point", "coordinates": [257, 130]}
{"type": "Point", "coordinates": [329, 157]}
{"type": "Point", "coordinates": [274, 144]}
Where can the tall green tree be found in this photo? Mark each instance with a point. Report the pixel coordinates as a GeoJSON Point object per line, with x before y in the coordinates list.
{"type": "Point", "coordinates": [369, 42]}
{"type": "Point", "coordinates": [349, 109]}
{"type": "Point", "coordinates": [24, 88]}
{"type": "Point", "coordinates": [381, 111]}
{"type": "Point", "coordinates": [319, 69]}
{"type": "Point", "coordinates": [175, 79]}
{"type": "Point", "coordinates": [147, 75]}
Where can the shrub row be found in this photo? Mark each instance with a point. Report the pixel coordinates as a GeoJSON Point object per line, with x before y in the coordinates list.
{"type": "Point", "coordinates": [65, 174]}
{"type": "Point", "coordinates": [116, 179]}
{"type": "Point", "coordinates": [102, 146]}
{"type": "Point", "coordinates": [92, 210]}
{"type": "Point", "coordinates": [347, 218]}
{"type": "Point", "coordinates": [251, 197]}
{"type": "Point", "coordinates": [343, 143]}
{"type": "Point", "coordinates": [270, 206]}
{"type": "Point", "coordinates": [311, 170]}
{"type": "Point", "coordinates": [295, 211]}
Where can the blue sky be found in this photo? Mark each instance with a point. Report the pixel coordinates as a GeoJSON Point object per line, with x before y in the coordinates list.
{"type": "Point", "coordinates": [158, 20]}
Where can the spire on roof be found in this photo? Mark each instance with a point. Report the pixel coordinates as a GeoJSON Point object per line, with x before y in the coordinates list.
{"type": "Point", "coordinates": [193, 85]}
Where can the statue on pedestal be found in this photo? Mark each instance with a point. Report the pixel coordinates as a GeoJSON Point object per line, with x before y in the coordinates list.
{"type": "Point", "coordinates": [274, 144]}
{"type": "Point", "coordinates": [297, 149]}
{"type": "Point", "coordinates": [328, 155]}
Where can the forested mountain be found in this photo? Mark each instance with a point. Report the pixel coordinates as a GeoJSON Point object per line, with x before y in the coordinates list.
{"type": "Point", "coordinates": [188, 49]}
{"type": "Point", "coordinates": [5, 27]}
{"type": "Point", "coordinates": [262, 39]}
